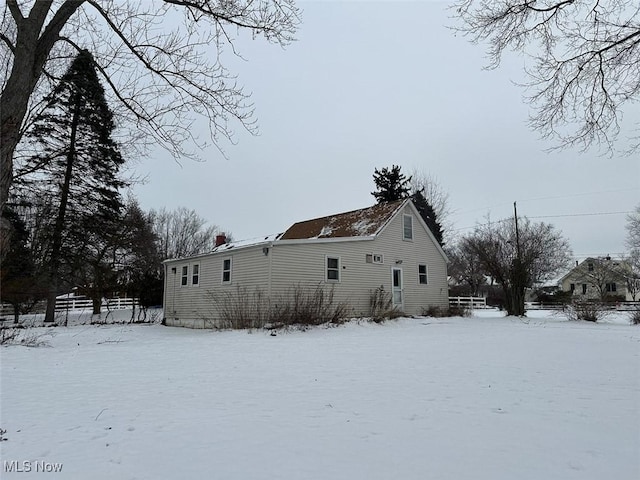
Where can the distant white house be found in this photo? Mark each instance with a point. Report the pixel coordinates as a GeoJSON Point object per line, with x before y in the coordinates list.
{"type": "Point", "coordinates": [353, 253]}
{"type": "Point", "coordinates": [601, 278]}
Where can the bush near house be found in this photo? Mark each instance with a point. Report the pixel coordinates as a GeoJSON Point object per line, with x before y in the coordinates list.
{"type": "Point", "coordinates": [301, 306]}
{"type": "Point", "coordinates": [381, 306]}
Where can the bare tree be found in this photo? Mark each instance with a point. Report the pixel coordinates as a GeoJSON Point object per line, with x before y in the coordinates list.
{"type": "Point", "coordinates": [437, 197]}
{"type": "Point", "coordinates": [633, 229]}
{"type": "Point", "coordinates": [583, 60]}
{"type": "Point", "coordinates": [465, 266]}
{"type": "Point", "coordinates": [633, 258]}
{"type": "Point", "coordinates": [182, 233]}
{"type": "Point", "coordinates": [162, 61]}
{"type": "Point", "coordinates": [519, 258]}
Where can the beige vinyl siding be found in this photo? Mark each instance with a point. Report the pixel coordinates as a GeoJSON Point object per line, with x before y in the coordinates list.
{"type": "Point", "coordinates": [194, 306]}
{"type": "Point", "coordinates": [305, 264]}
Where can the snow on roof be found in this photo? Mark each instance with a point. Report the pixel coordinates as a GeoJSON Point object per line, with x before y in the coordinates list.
{"type": "Point", "coordinates": [365, 222]}
{"type": "Point", "coordinates": [357, 223]}
{"type": "Point", "coordinates": [250, 242]}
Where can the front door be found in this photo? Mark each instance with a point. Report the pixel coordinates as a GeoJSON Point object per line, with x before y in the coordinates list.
{"type": "Point", "coordinates": [396, 281]}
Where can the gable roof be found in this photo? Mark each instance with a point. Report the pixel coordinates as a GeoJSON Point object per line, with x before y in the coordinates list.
{"type": "Point", "coordinates": [615, 266]}
{"type": "Point", "coordinates": [362, 224]}
{"type": "Point", "coordinates": [365, 222]}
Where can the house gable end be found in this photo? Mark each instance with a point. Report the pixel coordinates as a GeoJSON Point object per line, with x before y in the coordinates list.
{"type": "Point", "coordinates": [418, 221]}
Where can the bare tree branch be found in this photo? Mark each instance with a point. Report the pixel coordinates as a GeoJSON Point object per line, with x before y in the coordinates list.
{"type": "Point", "coordinates": [584, 61]}
{"type": "Point", "coordinates": [162, 63]}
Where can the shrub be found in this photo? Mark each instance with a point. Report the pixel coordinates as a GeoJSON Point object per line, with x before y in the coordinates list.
{"type": "Point", "coordinates": [239, 309]}
{"type": "Point", "coordinates": [458, 311]}
{"type": "Point", "coordinates": [452, 311]}
{"type": "Point", "coordinates": [307, 306]}
{"type": "Point", "coordinates": [24, 336]}
{"type": "Point", "coordinates": [300, 305]}
{"type": "Point", "coordinates": [634, 315]}
{"type": "Point", "coordinates": [381, 306]}
{"type": "Point", "coordinates": [589, 311]}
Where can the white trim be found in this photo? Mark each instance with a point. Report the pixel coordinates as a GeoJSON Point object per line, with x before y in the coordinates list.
{"type": "Point", "coordinates": [406, 216]}
{"type": "Point", "coordinates": [326, 269]}
{"type": "Point", "coordinates": [198, 274]}
{"type": "Point", "coordinates": [184, 276]}
{"type": "Point", "coordinates": [426, 273]}
{"type": "Point", "coordinates": [230, 270]}
{"type": "Point", "coordinates": [401, 289]}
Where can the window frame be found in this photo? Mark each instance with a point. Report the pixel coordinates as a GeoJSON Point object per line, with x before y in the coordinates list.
{"type": "Point", "coordinates": [195, 274]}
{"type": "Point", "coordinates": [375, 258]}
{"type": "Point", "coordinates": [228, 271]}
{"type": "Point", "coordinates": [424, 275]}
{"type": "Point", "coordinates": [328, 269]}
{"type": "Point", "coordinates": [406, 217]}
{"type": "Point", "coordinates": [184, 276]}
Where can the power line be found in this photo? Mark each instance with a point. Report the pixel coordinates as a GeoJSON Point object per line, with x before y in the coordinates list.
{"type": "Point", "coordinates": [554, 197]}
{"type": "Point", "coordinates": [545, 216]}
{"type": "Point", "coordinates": [581, 214]}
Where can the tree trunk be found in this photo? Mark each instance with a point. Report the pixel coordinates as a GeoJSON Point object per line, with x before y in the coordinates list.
{"type": "Point", "coordinates": [96, 302]}
{"type": "Point", "coordinates": [56, 243]}
{"type": "Point", "coordinates": [31, 50]}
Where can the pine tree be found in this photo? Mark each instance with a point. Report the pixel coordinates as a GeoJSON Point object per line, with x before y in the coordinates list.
{"type": "Point", "coordinates": [428, 214]}
{"type": "Point", "coordinates": [143, 273]}
{"type": "Point", "coordinates": [20, 282]}
{"type": "Point", "coordinates": [78, 164]}
{"type": "Point", "coordinates": [391, 184]}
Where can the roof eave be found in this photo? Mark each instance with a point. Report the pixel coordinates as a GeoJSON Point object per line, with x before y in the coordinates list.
{"type": "Point", "coordinates": [295, 241]}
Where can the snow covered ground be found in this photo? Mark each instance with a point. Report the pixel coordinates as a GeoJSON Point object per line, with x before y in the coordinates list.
{"type": "Point", "coordinates": [474, 398]}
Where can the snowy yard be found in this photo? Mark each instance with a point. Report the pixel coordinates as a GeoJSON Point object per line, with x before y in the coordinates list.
{"type": "Point", "coordinates": [476, 398]}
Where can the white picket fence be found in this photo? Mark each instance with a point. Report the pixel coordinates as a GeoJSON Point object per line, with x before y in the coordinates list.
{"type": "Point", "coordinates": [468, 302]}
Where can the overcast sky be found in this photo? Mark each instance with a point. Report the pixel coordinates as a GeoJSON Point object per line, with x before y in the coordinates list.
{"type": "Point", "coordinates": [371, 84]}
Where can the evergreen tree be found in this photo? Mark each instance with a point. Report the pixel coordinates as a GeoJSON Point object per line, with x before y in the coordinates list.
{"type": "Point", "coordinates": [78, 165]}
{"type": "Point", "coordinates": [428, 214]}
{"type": "Point", "coordinates": [142, 275]}
{"type": "Point", "coordinates": [391, 184]}
{"type": "Point", "coordinates": [20, 282]}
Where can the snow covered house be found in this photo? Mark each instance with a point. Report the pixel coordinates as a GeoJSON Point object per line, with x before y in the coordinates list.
{"type": "Point", "coordinates": [353, 254]}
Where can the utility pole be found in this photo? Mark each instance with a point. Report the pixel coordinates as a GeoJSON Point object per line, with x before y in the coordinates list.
{"type": "Point", "coordinates": [519, 281]}
{"type": "Point", "coordinates": [515, 214]}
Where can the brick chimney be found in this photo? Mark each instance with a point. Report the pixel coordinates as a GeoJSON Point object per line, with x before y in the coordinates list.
{"type": "Point", "coordinates": [221, 239]}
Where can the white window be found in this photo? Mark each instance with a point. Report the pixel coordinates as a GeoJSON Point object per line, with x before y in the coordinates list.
{"type": "Point", "coordinates": [611, 287]}
{"type": "Point", "coordinates": [423, 277]}
{"type": "Point", "coordinates": [333, 269]}
{"type": "Point", "coordinates": [185, 276]}
{"type": "Point", "coordinates": [195, 274]}
{"type": "Point", "coordinates": [407, 227]}
{"type": "Point", "coordinates": [226, 270]}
